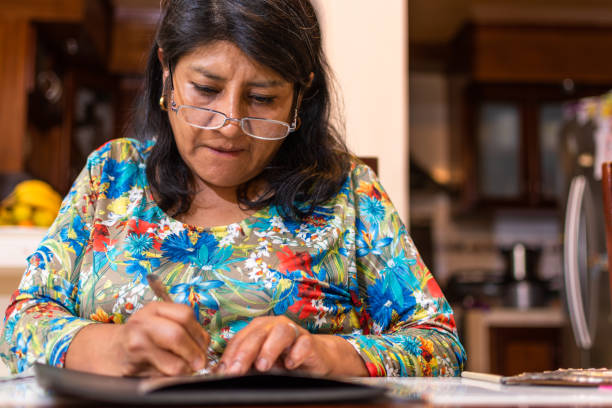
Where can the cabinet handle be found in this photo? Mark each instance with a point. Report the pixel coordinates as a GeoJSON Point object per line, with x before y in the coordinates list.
{"type": "Point", "coordinates": [579, 200]}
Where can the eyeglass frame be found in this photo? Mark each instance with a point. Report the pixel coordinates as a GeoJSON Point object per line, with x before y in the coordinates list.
{"type": "Point", "coordinates": [290, 127]}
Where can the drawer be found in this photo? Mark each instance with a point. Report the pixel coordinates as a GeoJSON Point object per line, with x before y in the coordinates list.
{"type": "Point", "coordinates": [509, 341]}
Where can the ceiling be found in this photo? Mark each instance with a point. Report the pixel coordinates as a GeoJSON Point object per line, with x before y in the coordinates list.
{"type": "Point", "coordinates": [437, 21]}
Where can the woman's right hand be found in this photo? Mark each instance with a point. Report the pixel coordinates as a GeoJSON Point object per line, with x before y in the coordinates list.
{"type": "Point", "coordinates": [162, 338]}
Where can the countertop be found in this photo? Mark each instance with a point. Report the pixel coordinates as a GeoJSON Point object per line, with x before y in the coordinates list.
{"type": "Point", "coordinates": [430, 392]}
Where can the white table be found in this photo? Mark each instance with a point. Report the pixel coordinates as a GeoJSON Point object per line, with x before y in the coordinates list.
{"type": "Point", "coordinates": [430, 392]}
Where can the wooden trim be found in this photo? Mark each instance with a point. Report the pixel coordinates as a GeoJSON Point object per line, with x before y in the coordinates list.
{"type": "Point", "coordinates": [144, 15]}
{"type": "Point", "coordinates": [130, 44]}
{"type": "Point", "coordinates": [43, 10]}
{"type": "Point", "coordinates": [372, 162]}
{"type": "Point", "coordinates": [558, 12]}
{"type": "Point", "coordinates": [542, 54]}
{"type": "Point", "coordinates": [16, 66]}
{"type": "Point", "coordinates": [97, 23]}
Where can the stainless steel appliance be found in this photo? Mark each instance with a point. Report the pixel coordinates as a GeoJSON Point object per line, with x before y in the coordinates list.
{"type": "Point", "coordinates": [522, 288]}
{"type": "Point", "coordinates": [586, 141]}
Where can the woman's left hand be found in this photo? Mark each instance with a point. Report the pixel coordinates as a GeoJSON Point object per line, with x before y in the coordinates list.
{"type": "Point", "coordinates": [276, 340]}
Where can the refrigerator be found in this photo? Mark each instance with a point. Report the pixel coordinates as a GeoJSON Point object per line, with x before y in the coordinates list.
{"type": "Point", "coordinates": [586, 142]}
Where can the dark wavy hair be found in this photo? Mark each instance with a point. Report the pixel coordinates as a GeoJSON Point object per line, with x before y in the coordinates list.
{"type": "Point", "coordinates": [312, 163]}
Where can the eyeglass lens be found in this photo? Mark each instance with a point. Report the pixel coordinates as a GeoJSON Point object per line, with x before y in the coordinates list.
{"type": "Point", "coordinates": [265, 128]}
{"type": "Point", "coordinates": [201, 118]}
{"type": "Point", "coordinates": [255, 127]}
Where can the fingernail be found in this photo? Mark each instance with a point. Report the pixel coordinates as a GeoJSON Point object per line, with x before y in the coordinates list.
{"type": "Point", "coordinates": [235, 368]}
{"type": "Point", "coordinates": [263, 364]}
{"type": "Point", "coordinates": [221, 368]}
{"type": "Point", "coordinates": [198, 364]}
{"type": "Point", "coordinates": [289, 363]}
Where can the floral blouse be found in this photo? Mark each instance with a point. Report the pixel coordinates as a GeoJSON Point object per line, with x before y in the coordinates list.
{"type": "Point", "coordinates": [348, 269]}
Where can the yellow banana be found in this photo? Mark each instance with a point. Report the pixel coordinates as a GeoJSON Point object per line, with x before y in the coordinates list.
{"type": "Point", "coordinates": [21, 212]}
{"type": "Point", "coordinates": [38, 194]}
{"type": "Point", "coordinates": [43, 218]}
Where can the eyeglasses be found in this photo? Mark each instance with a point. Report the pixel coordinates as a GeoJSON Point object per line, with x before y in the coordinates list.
{"type": "Point", "coordinates": [259, 128]}
{"type": "Point", "coordinates": [210, 119]}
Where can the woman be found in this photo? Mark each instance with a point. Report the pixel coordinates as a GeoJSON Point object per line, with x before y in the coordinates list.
{"type": "Point", "coordinates": [277, 247]}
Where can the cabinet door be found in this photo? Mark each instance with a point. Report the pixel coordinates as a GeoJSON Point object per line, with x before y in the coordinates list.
{"type": "Point", "coordinates": [550, 120]}
{"type": "Point", "coordinates": [513, 152]}
{"type": "Point", "coordinates": [499, 149]}
{"type": "Point", "coordinates": [516, 350]}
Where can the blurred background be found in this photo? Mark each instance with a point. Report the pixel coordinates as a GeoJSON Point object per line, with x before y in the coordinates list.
{"type": "Point", "coordinates": [501, 138]}
{"type": "Point", "coordinates": [474, 109]}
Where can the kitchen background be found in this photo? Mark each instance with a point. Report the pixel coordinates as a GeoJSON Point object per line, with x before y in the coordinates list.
{"type": "Point", "coordinates": [498, 128]}
{"type": "Point", "coordinates": [474, 163]}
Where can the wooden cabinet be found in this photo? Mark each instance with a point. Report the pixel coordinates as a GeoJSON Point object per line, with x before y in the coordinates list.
{"type": "Point", "coordinates": [69, 74]}
{"type": "Point", "coordinates": [86, 119]}
{"type": "Point", "coordinates": [508, 88]}
{"type": "Point", "coordinates": [511, 341]}
{"type": "Point", "coordinates": [543, 53]}
{"type": "Point", "coordinates": [18, 56]}
{"type": "Point", "coordinates": [513, 142]}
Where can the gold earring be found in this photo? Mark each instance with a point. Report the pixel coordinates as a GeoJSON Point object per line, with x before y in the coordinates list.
{"type": "Point", "coordinates": [162, 103]}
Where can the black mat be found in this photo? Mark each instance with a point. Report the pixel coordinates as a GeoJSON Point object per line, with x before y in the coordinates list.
{"type": "Point", "coordinates": [253, 388]}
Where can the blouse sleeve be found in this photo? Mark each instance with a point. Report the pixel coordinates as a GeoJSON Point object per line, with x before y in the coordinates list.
{"type": "Point", "coordinates": [43, 315]}
{"type": "Point", "coordinates": [408, 328]}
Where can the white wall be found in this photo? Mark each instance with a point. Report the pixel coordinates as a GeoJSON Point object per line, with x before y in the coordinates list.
{"type": "Point", "coordinates": [366, 42]}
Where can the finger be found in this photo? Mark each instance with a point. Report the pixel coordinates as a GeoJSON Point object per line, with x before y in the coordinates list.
{"type": "Point", "coordinates": [168, 363]}
{"type": "Point", "coordinates": [280, 338]}
{"type": "Point", "coordinates": [142, 356]}
{"type": "Point", "coordinates": [141, 370]}
{"type": "Point", "coordinates": [178, 312]}
{"type": "Point", "coordinates": [172, 336]}
{"type": "Point", "coordinates": [233, 345]}
{"type": "Point", "coordinates": [304, 356]}
{"type": "Point", "coordinates": [183, 314]}
{"type": "Point", "coordinates": [243, 348]}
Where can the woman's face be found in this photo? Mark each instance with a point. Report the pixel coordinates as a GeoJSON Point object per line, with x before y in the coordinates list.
{"type": "Point", "coordinates": [220, 76]}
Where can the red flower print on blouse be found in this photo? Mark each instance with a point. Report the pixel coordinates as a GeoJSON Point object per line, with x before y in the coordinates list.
{"type": "Point", "coordinates": [290, 261]}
